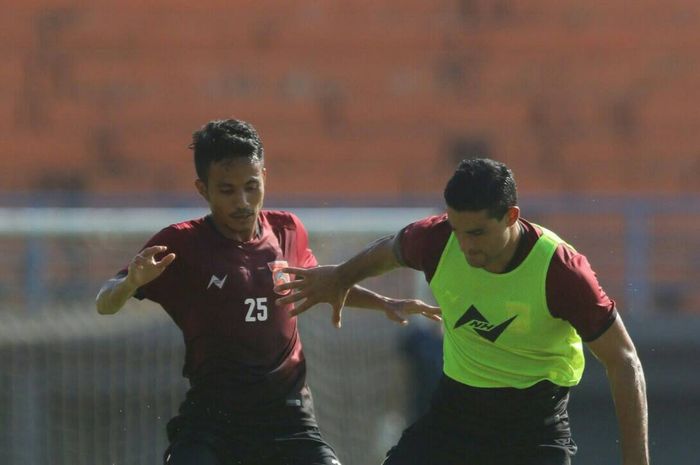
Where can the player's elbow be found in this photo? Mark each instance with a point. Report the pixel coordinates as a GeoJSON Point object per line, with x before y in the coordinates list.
{"type": "Point", "coordinates": [101, 307]}
{"type": "Point", "coordinates": [626, 363]}
{"type": "Point", "coordinates": [102, 304]}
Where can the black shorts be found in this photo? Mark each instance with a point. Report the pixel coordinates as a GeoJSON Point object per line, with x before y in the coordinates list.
{"type": "Point", "coordinates": [207, 435]}
{"type": "Point", "coordinates": [302, 447]}
{"type": "Point", "coordinates": [467, 426]}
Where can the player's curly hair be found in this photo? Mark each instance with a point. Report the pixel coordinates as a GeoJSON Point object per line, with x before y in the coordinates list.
{"type": "Point", "coordinates": [222, 139]}
{"type": "Point", "coordinates": [482, 184]}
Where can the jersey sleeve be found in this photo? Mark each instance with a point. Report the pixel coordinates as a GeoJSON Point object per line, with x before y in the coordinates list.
{"type": "Point", "coordinates": [574, 294]}
{"type": "Point", "coordinates": [161, 289]}
{"type": "Point", "coordinates": [305, 257]}
{"type": "Point", "coordinates": [420, 244]}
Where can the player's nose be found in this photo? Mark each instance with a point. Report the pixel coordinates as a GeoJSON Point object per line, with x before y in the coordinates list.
{"type": "Point", "coordinates": [240, 200]}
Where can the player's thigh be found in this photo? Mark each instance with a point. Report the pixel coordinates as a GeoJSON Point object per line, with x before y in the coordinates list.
{"type": "Point", "coordinates": [427, 442]}
{"type": "Point", "coordinates": [308, 448]}
{"type": "Point", "coordinates": [191, 452]}
{"type": "Point", "coordinates": [311, 455]}
{"type": "Point", "coordinates": [550, 454]}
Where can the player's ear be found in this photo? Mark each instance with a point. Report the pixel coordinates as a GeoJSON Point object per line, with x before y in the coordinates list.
{"type": "Point", "coordinates": [513, 214]}
{"type": "Point", "coordinates": [264, 174]}
{"type": "Point", "coordinates": [202, 189]}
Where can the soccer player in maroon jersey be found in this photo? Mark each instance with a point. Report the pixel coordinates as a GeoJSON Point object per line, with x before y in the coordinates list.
{"type": "Point", "coordinates": [248, 402]}
{"type": "Point", "coordinates": [517, 303]}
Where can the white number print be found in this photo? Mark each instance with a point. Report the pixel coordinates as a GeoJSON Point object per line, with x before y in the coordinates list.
{"type": "Point", "coordinates": [257, 309]}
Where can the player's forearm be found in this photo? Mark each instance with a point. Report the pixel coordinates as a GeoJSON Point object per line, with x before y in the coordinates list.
{"type": "Point", "coordinates": [114, 295]}
{"type": "Point", "coordinates": [376, 259]}
{"type": "Point", "coordinates": [364, 298]}
{"type": "Point", "coordinates": [629, 394]}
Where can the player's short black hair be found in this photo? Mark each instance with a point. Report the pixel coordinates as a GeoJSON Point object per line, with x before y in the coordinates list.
{"type": "Point", "coordinates": [222, 139]}
{"type": "Point", "coordinates": [482, 184]}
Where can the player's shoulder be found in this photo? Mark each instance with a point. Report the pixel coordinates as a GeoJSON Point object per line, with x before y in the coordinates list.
{"type": "Point", "coordinates": [569, 262]}
{"type": "Point", "coordinates": [420, 244]}
{"type": "Point", "coordinates": [438, 221]}
{"type": "Point", "coordinates": [430, 225]}
{"type": "Point", "coordinates": [187, 226]}
{"type": "Point", "coordinates": [432, 231]}
{"type": "Point", "coordinates": [564, 254]}
{"type": "Point", "coordinates": [282, 219]}
{"type": "Point", "coordinates": [183, 229]}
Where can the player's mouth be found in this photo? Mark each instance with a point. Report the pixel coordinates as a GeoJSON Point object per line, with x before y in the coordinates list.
{"type": "Point", "coordinates": [239, 216]}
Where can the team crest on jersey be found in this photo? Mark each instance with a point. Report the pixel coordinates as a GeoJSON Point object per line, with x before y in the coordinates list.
{"type": "Point", "coordinates": [278, 277]}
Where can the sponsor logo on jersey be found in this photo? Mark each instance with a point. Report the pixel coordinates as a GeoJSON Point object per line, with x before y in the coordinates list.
{"type": "Point", "coordinates": [483, 327]}
{"type": "Point", "coordinates": [278, 277]}
{"type": "Point", "coordinates": [216, 281]}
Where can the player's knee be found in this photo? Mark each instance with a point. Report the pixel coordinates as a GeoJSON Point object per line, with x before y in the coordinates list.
{"type": "Point", "coordinates": [191, 453]}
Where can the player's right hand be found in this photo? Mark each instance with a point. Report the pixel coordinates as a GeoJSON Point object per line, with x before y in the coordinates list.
{"type": "Point", "coordinates": [144, 267]}
{"type": "Point", "coordinates": [312, 286]}
{"type": "Point", "coordinates": [399, 309]}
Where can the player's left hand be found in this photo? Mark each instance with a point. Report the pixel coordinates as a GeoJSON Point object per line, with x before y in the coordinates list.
{"type": "Point", "coordinates": [399, 309]}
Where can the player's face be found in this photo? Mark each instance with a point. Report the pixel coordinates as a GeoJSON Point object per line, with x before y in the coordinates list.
{"type": "Point", "coordinates": [235, 190]}
{"type": "Point", "coordinates": [486, 242]}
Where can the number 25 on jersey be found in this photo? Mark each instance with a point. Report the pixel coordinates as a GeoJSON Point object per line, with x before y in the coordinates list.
{"type": "Point", "coordinates": [257, 309]}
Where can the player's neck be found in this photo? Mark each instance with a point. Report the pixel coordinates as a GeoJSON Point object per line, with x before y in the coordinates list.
{"type": "Point", "coordinates": [236, 235]}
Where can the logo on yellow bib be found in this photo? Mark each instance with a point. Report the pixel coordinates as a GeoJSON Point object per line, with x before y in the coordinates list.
{"type": "Point", "coordinates": [483, 327]}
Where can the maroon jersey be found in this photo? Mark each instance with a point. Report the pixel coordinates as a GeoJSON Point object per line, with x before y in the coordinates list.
{"type": "Point", "coordinates": [573, 292]}
{"type": "Point", "coordinates": [243, 351]}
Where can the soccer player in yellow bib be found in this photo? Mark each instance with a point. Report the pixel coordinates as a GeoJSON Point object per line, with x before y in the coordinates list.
{"type": "Point", "coordinates": [517, 302]}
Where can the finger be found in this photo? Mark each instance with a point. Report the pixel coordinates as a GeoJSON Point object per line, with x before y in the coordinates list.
{"type": "Point", "coordinates": [397, 317]}
{"type": "Point", "coordinates": [149, 252]}
{"type": "Point", "coordinates": [337, 315]}
{"type": "Point", "coordinates": [295, 284]}
{"type": "Point", "coordinates": [295, 270]}
{"type": "Point", "coordinates": [138, 262]}
{"type": "Point", "coordinates": [290, 299]}
{"type": "Point", "coordinates": [301, 295]}
{"type": "Point", "coordinates": [301, 308]}
{"type": "Point", "coordinates": [165, 261]}
{"type": "Point", "coordinates": [432, 316]}
{"type": "Point", "coordinates": [433, 310]}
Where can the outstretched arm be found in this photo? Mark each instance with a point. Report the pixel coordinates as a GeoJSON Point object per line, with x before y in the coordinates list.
{"type": "Point", "coordinates": [143, 269]}
{"type": "Point", "coordinates": [377, 258]}
{"type": "Point", "coordinates": [616, 352]}
{"type": "Point", "coordinates": [332, 283]}
{"type": "Point", "coordinates": [396, 310]}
